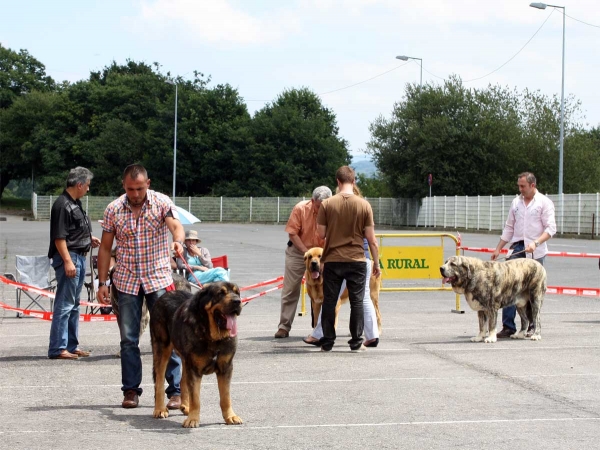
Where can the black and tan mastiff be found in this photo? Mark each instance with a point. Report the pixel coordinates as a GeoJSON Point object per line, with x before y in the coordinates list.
{"type": "Point", "coordinates": [202, 328]}
{"type": "Point", "coordinates": [491, 285]}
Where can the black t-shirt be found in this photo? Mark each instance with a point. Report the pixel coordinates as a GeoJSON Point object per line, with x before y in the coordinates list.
{"type": "Point", "coordinates": [68, 221]}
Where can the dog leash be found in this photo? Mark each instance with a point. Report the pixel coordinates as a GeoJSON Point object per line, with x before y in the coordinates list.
{"type": "Point", "coordinates": [189, 269]}
{"type": "Point", "coordinates": [511, 255]}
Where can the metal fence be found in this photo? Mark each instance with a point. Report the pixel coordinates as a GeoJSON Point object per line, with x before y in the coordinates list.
{"type": "Point", "coordinates": [391, 212]}
{"type": "Point", "coordinates": [575, 213]}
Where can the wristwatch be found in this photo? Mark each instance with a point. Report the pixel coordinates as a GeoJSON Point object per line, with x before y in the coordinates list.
{"type": "Point", "coordinates": [103, 283]}
{"type": "Point", "coordinates": [537, 243]}
{"type": "Point", "coordinates": [180, 242]}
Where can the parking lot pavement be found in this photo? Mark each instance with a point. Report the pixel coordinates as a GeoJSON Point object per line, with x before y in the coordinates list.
{"type": "Point", "coordinates": [426, 386]}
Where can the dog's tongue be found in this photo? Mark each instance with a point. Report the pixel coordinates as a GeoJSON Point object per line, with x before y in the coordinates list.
{"type": "Point", "coordinates": [445, 280]}
{"type": "Point", "coordinates": [231, 324]}
{"type": "Point", "coordinates": [315, 274]}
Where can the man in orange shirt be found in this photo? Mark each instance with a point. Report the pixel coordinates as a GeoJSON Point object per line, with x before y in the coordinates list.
{"type": "Point", "coordinates": [302, 229]}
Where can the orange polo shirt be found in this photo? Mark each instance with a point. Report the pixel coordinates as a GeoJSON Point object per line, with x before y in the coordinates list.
{"type": "Point", "coordinates": [303, 223]}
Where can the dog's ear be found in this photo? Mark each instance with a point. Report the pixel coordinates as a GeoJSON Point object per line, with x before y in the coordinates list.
{"type": "Point", "coordinates": [306, 255]}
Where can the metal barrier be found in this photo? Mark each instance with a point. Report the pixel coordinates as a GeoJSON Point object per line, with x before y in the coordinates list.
{"type": "Point", "coordinates": [409, 263]}
{"type": "Point", "coordinates": [415, 262]}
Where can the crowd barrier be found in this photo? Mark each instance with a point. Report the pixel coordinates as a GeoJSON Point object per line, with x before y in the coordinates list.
{"type": "Point", "coordinates": [47, 315]}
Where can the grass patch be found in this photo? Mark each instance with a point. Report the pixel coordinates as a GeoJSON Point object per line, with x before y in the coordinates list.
{"type": "Point", "coordinates": [15, 204]}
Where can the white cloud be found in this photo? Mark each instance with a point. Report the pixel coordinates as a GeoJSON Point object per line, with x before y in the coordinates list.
{"type": "Point", "coordinates": [213, 21]}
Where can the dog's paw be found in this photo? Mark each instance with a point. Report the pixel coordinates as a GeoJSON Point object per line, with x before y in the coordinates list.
{"type": "Point", "coordinates": [234, 420]}
{"type": "Point", "coordinates": [160, 413]}
{"type": "Point", "coordinates": [191, 422]}
{"type": "Point", "coordinates": [519, 335]}
{"type": "Point", "coordinates": [490, 339]}
{"type": "Point", "coordinates": [536, 337]}
{"type": "Point", "coordinates": [476, 339]}
{"type": "Point", "coordinates": [185, 409]}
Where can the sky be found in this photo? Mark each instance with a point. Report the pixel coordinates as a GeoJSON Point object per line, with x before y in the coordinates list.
{"type": "Point", "coordinates": [344, 50]}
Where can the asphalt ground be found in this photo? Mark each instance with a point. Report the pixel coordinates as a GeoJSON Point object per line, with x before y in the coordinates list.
{"type": "Point", "coordinates": [426, 386]}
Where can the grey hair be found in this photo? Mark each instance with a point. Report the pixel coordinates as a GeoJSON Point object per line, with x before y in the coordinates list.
{"type": "Point", "coordinates": [79, 175]}
{"type": "Point", "coordinates": [321, 193]}
{"type": "Point", "coordinates": [529, 177]}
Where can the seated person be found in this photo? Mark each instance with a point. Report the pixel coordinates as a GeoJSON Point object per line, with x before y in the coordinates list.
{"type": "Point", "coordinates": [200, 262]}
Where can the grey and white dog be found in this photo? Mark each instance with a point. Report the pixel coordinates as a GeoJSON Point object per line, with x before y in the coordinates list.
{"type": "Point", "coordinates": [490, 285]}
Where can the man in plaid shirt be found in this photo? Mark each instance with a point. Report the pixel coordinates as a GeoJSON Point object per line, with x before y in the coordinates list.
{"type": "Point", "coordinates": [140, 221]}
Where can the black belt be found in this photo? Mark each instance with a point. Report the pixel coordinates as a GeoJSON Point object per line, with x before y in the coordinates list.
{"type": "Point", "coordinates": [80, 252]}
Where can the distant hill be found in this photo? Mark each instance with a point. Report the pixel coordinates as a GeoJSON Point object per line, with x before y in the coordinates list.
{"type": "Point", "coordinates": [364, 167]}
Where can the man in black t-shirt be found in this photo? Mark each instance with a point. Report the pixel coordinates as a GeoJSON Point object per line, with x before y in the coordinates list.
{"type": "Point", "coordinates": [70, 241]}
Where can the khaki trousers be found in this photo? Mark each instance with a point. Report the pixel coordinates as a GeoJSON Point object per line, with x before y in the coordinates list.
{"type": "Point", "coordinates": [292, 284]}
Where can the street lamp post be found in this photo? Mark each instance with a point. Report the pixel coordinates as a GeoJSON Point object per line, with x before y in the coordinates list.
{"type": "Point", "coordinates": [174, 140]}
{"type": "Point", "coordinates": [406, 58]}
{"type": "Point", "coordinates": [562, 99]}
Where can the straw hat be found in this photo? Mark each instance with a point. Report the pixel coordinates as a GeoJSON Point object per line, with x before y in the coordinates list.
{"type": "Point", "coordinates": [192, 235]}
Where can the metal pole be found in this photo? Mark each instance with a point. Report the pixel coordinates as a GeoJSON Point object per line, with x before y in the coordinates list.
{"type": "Point", "coordinates": [562, 113]}
{"type": "Point", "coordinates": [175, 146]}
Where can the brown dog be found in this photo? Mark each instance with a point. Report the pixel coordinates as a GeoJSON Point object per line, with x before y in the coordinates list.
{"type": "Point", "coordinates": [181, 284]}
{"type": "Point", "coordinates": [202, 328]}
{"type": "Point", "coordinates": [314, 287]}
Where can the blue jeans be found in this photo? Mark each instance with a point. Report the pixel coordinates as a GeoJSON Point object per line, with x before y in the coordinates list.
{"type": "Point", "coordinates": [130, 315]}
{"type": "Point", "coordinates": [64, 331]}
{"type": "Point", "coordinates": [334, 273]}
{"type": "Point", "coordinates": [509, 314]}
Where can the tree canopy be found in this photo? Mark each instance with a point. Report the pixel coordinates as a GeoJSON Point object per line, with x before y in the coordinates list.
{"type": "Point", "coordinates": [476, 141]}
{"type": "Point", "coordinates": [124, 114]}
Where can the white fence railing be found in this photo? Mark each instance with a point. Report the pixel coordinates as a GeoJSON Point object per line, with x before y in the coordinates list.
{"type": "Point", "coordinates": [575, 213]}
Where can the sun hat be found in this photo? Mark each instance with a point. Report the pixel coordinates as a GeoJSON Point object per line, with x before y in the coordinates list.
{"type": "Point", "coordinates": [192, 235]}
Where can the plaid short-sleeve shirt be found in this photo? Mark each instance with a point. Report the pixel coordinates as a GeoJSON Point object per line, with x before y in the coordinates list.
{"type": "Point", "coordinates": [142, 244]}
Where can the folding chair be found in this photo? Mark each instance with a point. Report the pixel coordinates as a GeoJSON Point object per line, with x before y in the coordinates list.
{"type": "Point", "coordinates": [33, 271]}
{"type": "Point", "coordinates": [221, 261]}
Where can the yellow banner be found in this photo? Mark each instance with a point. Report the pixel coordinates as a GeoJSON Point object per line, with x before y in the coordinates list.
{"type": "Point", "coordinates": [411, 262]}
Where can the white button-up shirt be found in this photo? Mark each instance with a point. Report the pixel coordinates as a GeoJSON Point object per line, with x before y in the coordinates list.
{"type": "Point", "coordinates": [527, 223]}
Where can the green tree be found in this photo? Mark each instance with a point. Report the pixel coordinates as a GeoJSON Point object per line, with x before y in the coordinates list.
{"type": "Point", "coordinates": [582, 161]}
{"type": "Point", "coordinates": [21, 75]}
{"type": "Point", "coordinates": [295, 146]}
{"type": "Point", "coordinates": [373, 187]}
{"type": "Point", "coordinates": [473, 141]}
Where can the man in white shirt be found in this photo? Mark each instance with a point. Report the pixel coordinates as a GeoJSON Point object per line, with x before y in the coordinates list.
{"type": "Point", "coordinates": [529, 225]}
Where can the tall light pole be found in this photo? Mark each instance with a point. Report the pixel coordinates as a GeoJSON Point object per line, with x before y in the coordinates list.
{"type": "Point", "coordinates": [174, 140]}
{"type": "Point", "coordinates": [562, 99]}
{"type": "Point", "coordinates": [406, 58]}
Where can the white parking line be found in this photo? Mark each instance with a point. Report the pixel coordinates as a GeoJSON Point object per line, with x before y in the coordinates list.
{"type": "Point", "coordinates": [321, 425]}
{"type": "Point", "coordinates": [311, 381]}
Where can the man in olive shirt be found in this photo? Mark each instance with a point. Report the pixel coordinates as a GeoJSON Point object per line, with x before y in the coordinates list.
{"type": "Point", "coordinates": [343, 221]}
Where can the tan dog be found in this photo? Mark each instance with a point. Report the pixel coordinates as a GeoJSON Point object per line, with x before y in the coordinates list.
{"type": "Point", "coordinates": [314, 287]}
